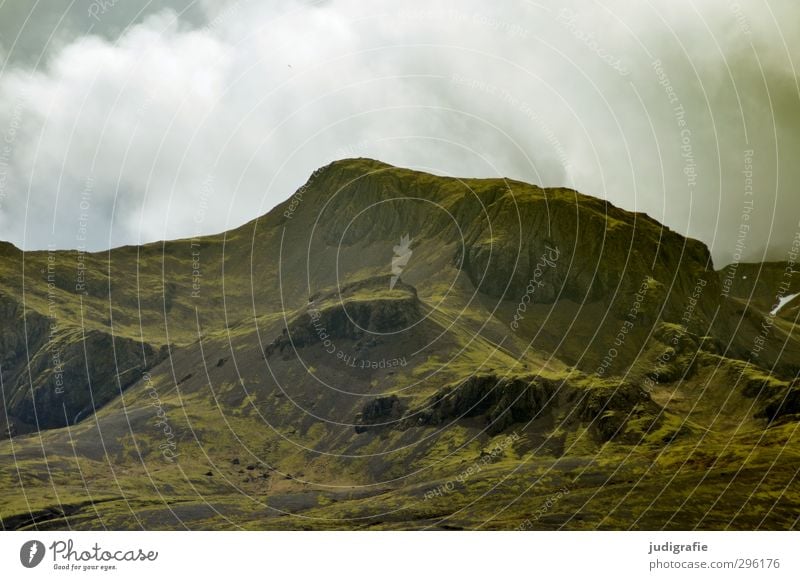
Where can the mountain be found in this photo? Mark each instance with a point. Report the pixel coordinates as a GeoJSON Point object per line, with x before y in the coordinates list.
{"type": "Point", "coordinates": [389, 349]}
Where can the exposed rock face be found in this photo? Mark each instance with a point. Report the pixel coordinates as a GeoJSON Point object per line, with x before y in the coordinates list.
{"type": "Point", "coordinates": [56, 374]}
{"type": "Point", "coordinates": [19, 333]}
{"type": "Point", "coordinates": [609, 409]}
{"type": "Point", "coordinates": [784, 405]}
{"type": "Point", "coordinates": [379, 412]}
{"type": "Point", "coordinates": [69, 378]}
{"type": "Point", "coordinates": [359, 310]}
{"type": "Point", "coordinates": [501, 401]}
{"type": "Point", "coordinates": [777, 399]}
{"type": "Point", "coordinates": [504, 401]}
{"type": "Point", "coordinates": [578, 247]}
{"type": "Point", "coordinates": [20, 336]}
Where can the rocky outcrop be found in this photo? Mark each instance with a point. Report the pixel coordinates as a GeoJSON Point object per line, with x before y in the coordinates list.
{"type": "Point", "coordinates": [500, 401]}
{"type": "Point", "coordinates": [558, 244]}
{"type": "Point", "coordinates": [379, 412]}
{"type": "Point", "coordinates": [56, 374]}
{"type": "Point", "coordinates": [609, 410]}
{"type": "Point", "coordinates": [784, 405]}
{"type": "Point", "coordinates": [359, 311]}
{"type": "Point", "coordinates": [72, 376]}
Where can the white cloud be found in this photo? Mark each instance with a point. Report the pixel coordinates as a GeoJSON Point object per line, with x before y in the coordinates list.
{"type": "Point", "coordinates": [264, 94]}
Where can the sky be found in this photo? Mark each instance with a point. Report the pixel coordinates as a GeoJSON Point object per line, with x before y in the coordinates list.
{"type": "Point", "coordinates": [131, 122]}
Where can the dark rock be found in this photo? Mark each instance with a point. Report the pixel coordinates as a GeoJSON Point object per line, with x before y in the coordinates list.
{"type": "Point", "coordinates": [502, 401]}
{"type": "Point", "coordinates": [350, 319]}
{"type": "Point", "coordinates": [378, 411]}
{"type": "Point", "coordinates": [783, 405]}
{"type": "Point", "coordinates": [608, 409]}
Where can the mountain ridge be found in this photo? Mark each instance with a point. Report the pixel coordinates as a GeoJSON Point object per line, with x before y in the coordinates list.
{"type": "Point", "coordinates": [301, 373]}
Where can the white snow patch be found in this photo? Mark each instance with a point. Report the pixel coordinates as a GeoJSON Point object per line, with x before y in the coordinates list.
{"type": "Point", "coordinates": [783, 301]}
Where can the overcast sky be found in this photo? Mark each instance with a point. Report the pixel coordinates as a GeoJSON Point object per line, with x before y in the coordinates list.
{"type": "Point", "coordinates": [138, 115]}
